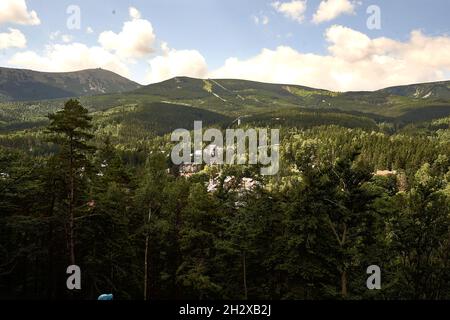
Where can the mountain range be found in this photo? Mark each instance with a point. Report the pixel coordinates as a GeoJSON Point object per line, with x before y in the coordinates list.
{"type": "Point", "coordinates": [28, 97]}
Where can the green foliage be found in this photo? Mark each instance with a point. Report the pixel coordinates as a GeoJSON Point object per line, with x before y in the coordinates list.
{"type": "Point", "coordinates": [216, 100]}
{"type": "Point", "coordinates": [310, 232]}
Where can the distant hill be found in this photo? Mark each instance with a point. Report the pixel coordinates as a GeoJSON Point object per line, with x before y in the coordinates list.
{"type": "Point", "coordinates": [25, 85]}
{"type": "Point", "coordinates": [231, 96]}
{"type": "Point", "coordinates": [240, 97]}
{"type": "Point", "coordinates": [190, 88]}
{"type": "Point", "coordinates": [222, 89]}
{"type": "Point", "coordinates": [432, 90]}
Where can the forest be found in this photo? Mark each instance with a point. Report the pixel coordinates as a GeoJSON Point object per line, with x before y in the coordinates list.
{"type": "Point", "coordinates": [351, 192]}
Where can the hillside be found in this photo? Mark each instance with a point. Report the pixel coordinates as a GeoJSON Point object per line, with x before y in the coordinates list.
{"type": "Point", "coordinates": [432, 90]}
{"type": "Point", "coordinates": [23, 85]}
{"type": "Point", "coordinates": [230, 93]}
{"type": "Point", "coordinates": [239, 97]}
{"type": "Point", "coordinates": [256, 102]}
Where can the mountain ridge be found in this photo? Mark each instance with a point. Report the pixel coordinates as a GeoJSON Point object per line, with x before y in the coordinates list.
{"type": "Point", "coordinates": [28, 85]}
{"type": "Point", "coordinates": [260, 102]}
{"type": "Point", "coordinates": [391, 89]}
{"type": "Point", "coordinates": [236, 96]}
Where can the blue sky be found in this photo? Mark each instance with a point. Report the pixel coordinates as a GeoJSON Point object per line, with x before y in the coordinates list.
{"type": "Point", "coordinates": [203, 34]}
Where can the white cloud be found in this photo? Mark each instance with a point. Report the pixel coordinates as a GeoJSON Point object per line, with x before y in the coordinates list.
{"type": "Point", "coordinates": [165, 48]}
{"type": "Point", "coordinates": [66, 38]}
{"type": "Point", "coordinates": [134, 41]}
{"type": "Point", "coordinates": [16, 11]}
{"type": "Point", "coordinates": [331, 9]}
{"type": "Point", "coordinates": [134, 13]}
{"type": "Point", "coordinates": [55, 35]}
{"type": "Point", "coordinates": [348, 44]}
{"type": "Point", "coordinates": [69, 57]}
{"type": "Point", "coordinates": [175, 63]}
{"type": "Point", "coordinates": [354, 62]}
{"type": "Point", "coordinates": [12, 39]}
{"type": "Point", "coordinates": [264, 20]}
{"type": "Point", "coordinates": [294, 10]}
{"type": "Point", "coordinates": [115, 52]}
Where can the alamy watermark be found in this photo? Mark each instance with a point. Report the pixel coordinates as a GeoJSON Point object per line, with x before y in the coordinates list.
{"type": "Point", "coordinates": [74, 280]}
{"type": "Point", "coordinates": [374, 281]}
{"type": "Point", "coordinates": [374, 19]}
{"type": "Point", "coordinates": [240, 147]}
{"type": "Point", "coordinates": [74, 20]}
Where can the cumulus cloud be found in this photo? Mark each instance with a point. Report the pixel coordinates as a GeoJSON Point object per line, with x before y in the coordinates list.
{"type": "Point", "coordinates": [115, 52]}
{"type": "Point", "coordinates": [69, 57]}
{"type": "Point", "coordinates": [16, 11]}
{"type": "Point", "coordinates": [134, 41]}
{"type": "Point", "coordinates": [331, 9]}
{"type": "Point", "coordinates": [12, 39]}
{"type": "Point", "coordinates": [354, 62]}
{"type": "Point", "coordinates": [175, 63]}
{"type": "Point", "coordinates": [294, 10]}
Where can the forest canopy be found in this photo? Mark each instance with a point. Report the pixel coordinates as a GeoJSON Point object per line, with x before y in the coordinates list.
{"type": "Point", "coordinates": [102, 193]}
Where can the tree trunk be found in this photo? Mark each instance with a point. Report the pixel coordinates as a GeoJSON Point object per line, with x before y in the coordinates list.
{"type": "Point", "coordinates": [51, 246]}
{"type": "Point", "coordinates": [146, 258]}
{"type": "Point", "coordinates": [244, 265]}
{"type": "Point", "coordinates": [177, 259]}
{"type": "Point", "coordinates": [71, 207]}
{"type": "Point", "coordinates": [344, 284]}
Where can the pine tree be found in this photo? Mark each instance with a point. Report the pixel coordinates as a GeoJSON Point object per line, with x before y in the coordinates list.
{"type": "Point", "coordinates": [197, 239]}
{"type": "Point", "coordinates": [150, 199]}
{"type": "Point", "coordinates": [69, 129]}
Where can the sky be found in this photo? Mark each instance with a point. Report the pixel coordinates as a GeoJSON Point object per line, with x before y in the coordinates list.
{"type": "Point", "coordinates": [340, 45]}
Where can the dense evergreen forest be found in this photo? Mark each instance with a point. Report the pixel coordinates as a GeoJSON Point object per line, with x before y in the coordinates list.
{"type": "Point", "coordinates": [105, 196]}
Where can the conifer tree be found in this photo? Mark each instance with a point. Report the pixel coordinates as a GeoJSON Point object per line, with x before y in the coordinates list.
{"type": "Point", "coordinates": [69, 129]}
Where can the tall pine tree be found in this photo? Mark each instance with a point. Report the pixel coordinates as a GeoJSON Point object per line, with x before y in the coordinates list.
{"type": "Point", "coordinates": [69, 129]}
